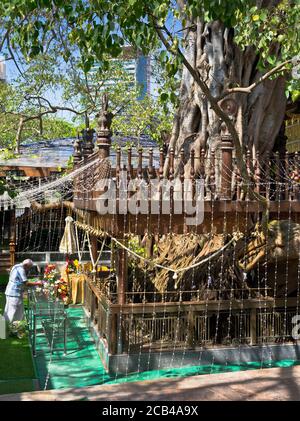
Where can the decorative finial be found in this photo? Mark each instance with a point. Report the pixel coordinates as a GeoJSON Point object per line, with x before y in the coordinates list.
{"type": "Point", "coordinates": [77, 151]}
{"type": "Point", "coordinates": [103, 129]}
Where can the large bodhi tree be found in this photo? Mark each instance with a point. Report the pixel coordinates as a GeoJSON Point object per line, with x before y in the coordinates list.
{"type": "Point", "coordinates": [243, 49]}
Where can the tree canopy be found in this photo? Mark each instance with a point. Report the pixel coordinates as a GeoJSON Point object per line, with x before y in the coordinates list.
{"type": "Point", "coordinates": [99, 29]}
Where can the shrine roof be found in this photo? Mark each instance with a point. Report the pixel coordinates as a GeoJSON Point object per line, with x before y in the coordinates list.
{"type": "Point", "coordinates": [43, 154]}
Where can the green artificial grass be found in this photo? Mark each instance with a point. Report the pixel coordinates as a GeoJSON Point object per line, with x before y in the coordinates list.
{"type": "Point", "coordinates": [16, 365]}
{"type": "Point", "coordinates": [16, 360]}
{"type": "Point", "coordinates": [3, 279]}
{"type": "Point", "coordinates": [16, 386]}
{"type": "Point", "coordinates": [2, 302]}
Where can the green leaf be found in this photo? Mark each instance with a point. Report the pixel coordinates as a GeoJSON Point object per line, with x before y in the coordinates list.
{"type": "Point", "coordinates": [163, 96]}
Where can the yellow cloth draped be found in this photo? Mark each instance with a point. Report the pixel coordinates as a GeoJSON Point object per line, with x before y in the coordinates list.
{"type": "Point", "coordinates": [76, 286]}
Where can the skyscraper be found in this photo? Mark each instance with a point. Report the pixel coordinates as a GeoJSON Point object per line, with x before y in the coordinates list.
{"type": "Point", "coordinates": [2, 69]}
{"type": "Point", "coordinates": [135, 65]}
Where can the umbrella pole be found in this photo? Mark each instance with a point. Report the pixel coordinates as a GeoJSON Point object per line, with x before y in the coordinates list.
{"type": "Point", "coordinates": [69, 282]}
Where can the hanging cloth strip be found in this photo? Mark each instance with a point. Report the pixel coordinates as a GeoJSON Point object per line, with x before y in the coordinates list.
{"type": "Point", "coordinates": [176, 271]}
{"type": "Point", "coordinates": [235, 237]}
{"type": "Point", "coordinates": [80, 253]}
{"type": "Point", "coordinates": [95, 263]}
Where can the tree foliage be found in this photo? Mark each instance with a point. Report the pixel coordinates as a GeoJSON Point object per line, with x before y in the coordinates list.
{"type": "Point", "coordinates": [99, 29]}
{"type": "Point", "coordinates": [16, 107]}
{"type": "Point", "coordinates": [143, 117]}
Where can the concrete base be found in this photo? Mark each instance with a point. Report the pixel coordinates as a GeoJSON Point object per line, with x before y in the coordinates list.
{"type": "Point", "coordinates": [220, 356]}
{"type": "Point", "coordinates": [159, 360]}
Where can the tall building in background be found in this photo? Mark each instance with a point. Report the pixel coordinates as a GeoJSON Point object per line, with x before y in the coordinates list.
{"type": "Point", "coordinates": [2, 69]}
{"type": "Point", "coordinates": [135, 65]}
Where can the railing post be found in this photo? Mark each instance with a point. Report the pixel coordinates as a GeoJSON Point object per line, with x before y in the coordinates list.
{"type": "Point", "coordinates": [87, 143]}
{"type": "Point", "coordinates": [229, 107]}
{"type": "Point", "coordinates": [103, 131]}
{"type": "Point", "coordinates": [227, 168]}
{"type": "Point", "coordinates": [191, 329]}
{"type": "Point", "coordinates": [122, 275]}
{"type": "Point", "coordinates": [112, 347]}
{"type": "Point", "coordinates": [77, 155]}
{"type": "Point", "coordinates": [12, 242]}
{"type": "Point", "coordinates": [12, 252]}
{"type": "Point", "coordinates": [253, 338]}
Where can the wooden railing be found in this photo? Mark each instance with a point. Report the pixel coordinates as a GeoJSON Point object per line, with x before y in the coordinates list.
{"type": "Point", "coordinates": [137, 327]}
{"type": "Point", "coordinates": [274, 176]}
{"type": "Point", "coordinates": [211, 294]}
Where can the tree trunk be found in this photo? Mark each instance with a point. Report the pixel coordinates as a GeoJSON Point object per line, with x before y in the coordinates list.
{"type": "Point", "coordinates": [221, 63]}
{"type": "Point", "coordinates": [19, 134]}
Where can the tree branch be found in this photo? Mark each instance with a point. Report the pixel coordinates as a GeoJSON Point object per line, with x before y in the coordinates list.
{"type": "Point", "coordinates": [55, 108]}
{"type": "Point", "coordinates": [250, 88]}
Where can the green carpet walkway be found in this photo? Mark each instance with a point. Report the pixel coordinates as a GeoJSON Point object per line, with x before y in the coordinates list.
{"type": "Point", "coordinates": [82, 366]}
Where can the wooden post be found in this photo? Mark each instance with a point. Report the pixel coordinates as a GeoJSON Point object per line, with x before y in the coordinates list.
{"type": "Point", "coordinates": [192, 173]}
{"type": "Point", "coordinates": [103, 131]}
{"type": "Point", "coordinates": [227, 168]}
{"type": "Point", "coordinates": [212, 177]}
{"type": "Point", "coordinates": [12, 242]}
{"type": "Point", "coordinates": [93, 307]}
{"type": "Point", "coordinates": [113, 334]}
{"type": "Point", "coordinates": [151, 170]}
{"type": "Point", "coordinates": [229, 106]}
{"type": "Point", "coordinates": [202, 163]}
{"type": "Point", "coordinates": [171, 179]}
{"type": "Point", "coordinates": [122, 269]}
{"type": "Point", "coordinates": [140, 164]}
{"type": "Point", "coordinates": [122, 275]}
{"type": "Point", "coordinates": [129, 165]}
{"type": "Point", "coordinates": [160, 177]}
{"type": "Point", "coordinates": [12, 252]}
{"type": "Point", "coordinates": [77, 155]}
{"type": "Point", "coordinates": [191, 329]}
{"type": "Point", "coordinates": [87, 145]}
{"type": "Point", "coordinates": [181, 176]}
{"type": "Point", "coordinates": [118, 162]}
{"type": "Point", "coordinates": [253, 338]}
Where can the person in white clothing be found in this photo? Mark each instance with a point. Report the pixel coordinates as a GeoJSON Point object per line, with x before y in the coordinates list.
{"type": "Point", "coordinates": [14, 309]}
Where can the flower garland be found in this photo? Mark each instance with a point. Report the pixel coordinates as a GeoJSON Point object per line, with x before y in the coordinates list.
{"type": "Point", "coordinates": [53, 286]}
{"type": "Point", "coordinates": [72, 266]}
